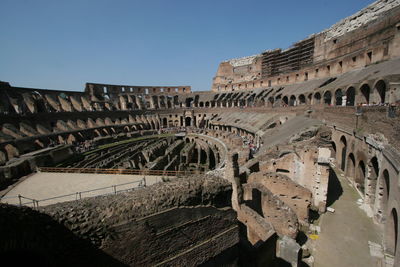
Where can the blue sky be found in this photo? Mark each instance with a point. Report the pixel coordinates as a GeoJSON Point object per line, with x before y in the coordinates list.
{"type": "Point", "coordinates": [64, 44]}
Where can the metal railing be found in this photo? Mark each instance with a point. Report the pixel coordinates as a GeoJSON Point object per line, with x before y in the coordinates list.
{"type": "Point", "coordinates": [77, 195]}
{"type": "Point", "coordinates": [117, 171]}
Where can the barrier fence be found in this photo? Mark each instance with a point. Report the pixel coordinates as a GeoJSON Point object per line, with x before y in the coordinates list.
{"type": "Point", "coordinates": [113, 189]}
{"type": "Point", "coordinates": [117, 171]}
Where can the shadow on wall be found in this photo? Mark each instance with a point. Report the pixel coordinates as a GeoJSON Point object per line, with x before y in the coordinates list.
{"type": "Point", "coordinates": [335, 189]}
{"type": "Point", "coordinates": [30, 238]}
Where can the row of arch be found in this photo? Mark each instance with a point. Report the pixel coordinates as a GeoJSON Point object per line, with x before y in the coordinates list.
{"type": "Point", "coordinates": [350, 96]}
{"type": "Point", "coordinates": [373, 180]}
{"type": "Point", "coordinates": [339, 97]}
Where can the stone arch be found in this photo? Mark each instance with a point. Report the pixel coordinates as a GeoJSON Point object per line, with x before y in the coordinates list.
{"type": "Point", "coordinates": [392, 233]}
{"type": "Point", "coordinates": [201, 104]}
{"type": "Point", "coordinates": [285, 100]}
{"type": "Point", "coordinates": [360, 175]}
{"type": "Point", "coordinates": [382, 195]}
{"type": "Point", "coordinates": [365, 92]}
{"type": "Point", "coordinates": [207, 104]}
{"type": "Point", "coordinates": [270, 102]}
{"type": "Point", "coordinates": [380, 89]}
{"type": "Point", "coordinates": [317, 98]}
{"type": "Point", "coordinates": [334, 149]}
{"type": "Point", "coordinates": [189, 101]}
{"type": "Point", "coordinates": [309, 98]}
{"type": "Point", "coordinates": [351, 164]}
{"type": "Point", "coordinates": [152, 124]}
{"type": "Point", "coordinates": [343, 153]}
{"type": "Point", "coordinates": [350, 96]}
{"type": "Point", "coordinates": [338, 97]}
{"type": "Point", "coordinates": [165, 122]}
{"type": "Point", "coordinates": [188, 121]}
{"type": "Point", "coordinates": [302, 99]}
{"type": "Point", "coordinates": [327, 98]}
{"type": "Point", "coordinates": [292, 100]}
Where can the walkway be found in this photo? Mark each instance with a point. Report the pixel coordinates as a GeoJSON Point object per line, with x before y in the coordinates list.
{"type": "Point", "coordinates": [283, 132]}
{"type": "Point", "coordinates": [344, 236]}
{"type": "Point", "coordinates": [44, 185]}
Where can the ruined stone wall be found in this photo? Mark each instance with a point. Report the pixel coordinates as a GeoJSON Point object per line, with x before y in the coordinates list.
{"type": "Point", "coordinates": [307, 167]}
{"type": "Point", "coordinates": [367, 37]}
{"type": "Point", "coordinates": [146, 226]}
{"type": "Point", "coordinates": [298, 198]}
{"type": "Point", "coordinates": [185, 222]}
{"type": "Point", "coordinates": [372, 166]}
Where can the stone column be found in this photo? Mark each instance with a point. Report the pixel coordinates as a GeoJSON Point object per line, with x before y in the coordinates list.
{"type": "Point", "coordinates": [232, 175]}
{"type": "Point", "coordinates": [393, 92]}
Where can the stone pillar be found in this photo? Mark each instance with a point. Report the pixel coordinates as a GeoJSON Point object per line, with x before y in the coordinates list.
{"type": "Point", "coordinates": [288, 250]}
{"type": "Point", "coordinates": [158, 101]}
{"type": "Point", "coordinates": [198, 155]}
{"type": "Point", "coordinates": [393, 92]}
{"type": "Point", "coordinates": [139, 103]}
{"type": "Point", "coordinates": [232, 175]}
{"type": "Point", "coordinates": [152, 104]}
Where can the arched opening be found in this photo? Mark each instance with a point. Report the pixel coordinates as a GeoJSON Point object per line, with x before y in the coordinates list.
{"type": "Point", "coordinates": [189, 102]}
{"type": "Point", "coordinates": [203, 157]}
{"type": "Point", "coordinates": [360, 176]}
{"type": "Point", "coordinates": [165, 122]}
{"type": "Point", "coordinates": [327, 98]}
{"type": "Point", "coordinates": [317, 98]}
{"type": "Point", "coordinates": [365, 91]}
{"type": "Point", "coordinates": [188, 121]}
{"type": "Point", "coordinates": [338, 97]}
{"type": "Point", "coordinates": [334, 149]}
{"type": "Point", "coordinates": [201, 104]}
{"type": "Point", "coordinates": [343, 142]}
{"type": "Point", "coordinates": [285, 100]}
{"type": "Point", "coordinates": [383, 194]}
{"type": "Point", "coordinates": [212, 160]}
{"type": "Point", "coordinates": [381, 89]}
{"type": "Point", "coordinates": [351, 163]}
{"type": "Point", "coordinates": [386, 182]}
{"type": "Point", "coordinates": [350, 96]}
{"type": "Point", "coordinates": [392, 232]}
{"type": "Point", "coordinates": [302, 100]}
{"type": "Point", "coordinates": [270, 102]}
{"type": "Point", "coordinates": [292, 101]}
{"type": "Point", "coordinates": [255, 203]}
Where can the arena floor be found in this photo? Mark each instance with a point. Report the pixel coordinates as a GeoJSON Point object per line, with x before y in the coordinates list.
{"type": "Point", "coordinates": [42, 186]}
